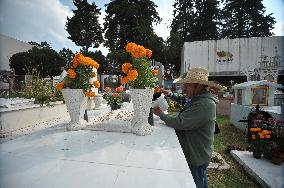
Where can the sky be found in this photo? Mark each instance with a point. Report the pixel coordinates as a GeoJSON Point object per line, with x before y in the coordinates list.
{"type": "Point", "coordinates": [44, 20]}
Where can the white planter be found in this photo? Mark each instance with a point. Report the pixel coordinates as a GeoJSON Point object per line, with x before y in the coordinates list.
{"type": "Point", "coordinates": [141, 99]}
{"type": "Point", "coordinates": [98, 99]}
{"type": "Point", "coordinates": [76, 104]}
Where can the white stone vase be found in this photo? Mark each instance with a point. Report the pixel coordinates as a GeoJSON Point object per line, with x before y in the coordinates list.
{"type": "Point", "coordinates": [98, 99]}
{"type": "Point", "coordinates": [141, 99]}
{"type": "Point", "coordinates": [76, 103]}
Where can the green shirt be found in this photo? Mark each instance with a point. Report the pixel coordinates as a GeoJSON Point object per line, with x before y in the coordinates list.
{"type": "Point", "coordinates": [195, 124]}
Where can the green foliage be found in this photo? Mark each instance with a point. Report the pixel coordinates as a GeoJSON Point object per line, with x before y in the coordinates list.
{"type": "Point", "coordinates": [145, 77]}
{"type": "Point", "coordinates": [67, 54]}
{"type": "Point", "coordinates": [46, 61]}
{"type": "Point", "coordinates": [196, 20]}
{"type": "Point", "coordinates": [113, 98]}
{"type": "Point", "coordinates": [129, 21]}
{"type": "Point", "coordinates": [246, 18]}
{"type": "Point", "coordinates": [84, 27]}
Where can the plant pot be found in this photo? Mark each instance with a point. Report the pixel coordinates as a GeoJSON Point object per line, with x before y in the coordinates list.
{"type": "Point", "coordinates": [141, 99]}
{"type": "Point", "coordinates": [76, 103]}
{"type": "Point", "coordinates": [115, 106]}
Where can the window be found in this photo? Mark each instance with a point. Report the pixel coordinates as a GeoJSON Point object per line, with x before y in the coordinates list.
{"type": "Point", "coordinates": [239, 96]}
{"type": "Point", "coordinates": [259, 95]}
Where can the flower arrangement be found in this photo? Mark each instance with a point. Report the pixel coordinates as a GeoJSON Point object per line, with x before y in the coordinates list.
{"type": "Point", "coordinates": [265, 135]}
{"type": "Point", "coordinates": [79, 74]}
{"type": "Point", "coordinates": [139, 74]}
{"type": "Point", "coordinates": [113, 97]}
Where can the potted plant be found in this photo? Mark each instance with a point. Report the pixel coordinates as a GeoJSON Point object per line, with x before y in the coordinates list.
{"type": "Point", "coordinates": [76, 87]}
{"type": "Point", "coordinates": [114, 98]}
{"type": "Point", "coordinates": [141, 79]}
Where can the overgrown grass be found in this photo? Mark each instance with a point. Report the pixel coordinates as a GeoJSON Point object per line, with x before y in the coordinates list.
{"type": "Point", "coordinates": [234, 177]}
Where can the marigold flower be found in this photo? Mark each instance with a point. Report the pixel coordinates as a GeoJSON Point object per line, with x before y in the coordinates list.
{"type": "Point", "coordinates": [124, 80]}
{"type": "Point", "coordinates": [95, 64]}
{"type": "Point", "coordinates": [155, 72]}
{"type": "Point", "coordinates": [148, 53]}
{"type": "Point", "coordinates": [132, 75]}
{"type": "Point", "coordinates": [97, 84]}
{"type": "Point", "coordinates": [265, 132]}
{"type": "Point", "coordinates": [90, 94]}
{"type": "Point", "coordinates": [130, 47]}
{"type": "Point", "coordinates": [77, 59]}
{"type": "Point", "coordinates": [71, 73]}
{"type": "Point", "coordinates": [157, 89]}
{"type": "Point", "coordinates": [138, 52]}
{"type": "Point", "coordinates": [60, 86]}
{"type": "Point", "coordinates": [126, 67]}
{"type": "Point", "coordinates": [267, 136]}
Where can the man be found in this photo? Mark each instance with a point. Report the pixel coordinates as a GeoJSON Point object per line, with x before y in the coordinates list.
{"type": "Point", "coordinates": [195, 123]}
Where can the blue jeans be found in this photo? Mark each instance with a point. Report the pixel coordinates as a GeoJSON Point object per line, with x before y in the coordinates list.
{"type": "Point", "coordinates": [199, 174]}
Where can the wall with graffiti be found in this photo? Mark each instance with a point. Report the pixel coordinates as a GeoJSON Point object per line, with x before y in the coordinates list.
{"type": "Point", "coordinates": [257, 58]}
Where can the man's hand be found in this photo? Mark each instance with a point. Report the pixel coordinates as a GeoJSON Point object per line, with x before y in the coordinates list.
{"type": "Point", "coordinates": [157, 111]}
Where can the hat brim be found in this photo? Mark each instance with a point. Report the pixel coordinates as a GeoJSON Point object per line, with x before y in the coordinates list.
{"type": "Point", "coordinates": [195, 81]}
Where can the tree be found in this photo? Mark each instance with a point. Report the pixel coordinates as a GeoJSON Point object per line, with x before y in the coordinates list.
{"type": "Point", "coordinates": [41, 45]}
{"type": "Point", "coordinates": [67, 54]}
{"type": "Point", "coordinates": [173, 53]}
{"type": "Point", "coordinates": [84, 28]}
{"type": "Point", "coordinates": [196, 20]}
{"type": "Point", "coordinates": [245, 18]}
{"type": "Point", "coordinates": [47, 62]}
{"type": "Point", "coordinates": [129, 21]}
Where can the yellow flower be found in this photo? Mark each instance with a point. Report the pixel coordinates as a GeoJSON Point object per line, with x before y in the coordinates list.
{"type": "Point", "coordinates": [77, 59]}
{"type": "Point", "coordinates": [60, 86]}
{"type": "Point", "coordinates": [132, 75]}
{"type": "Point", "coordinates": [97, 84]}
{"type": "Point", "coordinates": [126, 67]}
{"type": "Point", "coordinates": [265, 132]}
{"type": "Point", "coordinates": [71, 73]}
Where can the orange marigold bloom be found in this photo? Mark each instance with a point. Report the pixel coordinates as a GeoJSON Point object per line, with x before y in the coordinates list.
{"type": "Point", "coordinates": [95, 64]}
{"type": "Point", "coordinates": [97, 84]}
{"type": "Point", "coordinates": [126, 67]}
{"type": "Point", "coordinates": [157, 89]}
{"type": "Point", "coordinates": [130, 47]}
{"type": "Point", "coordinates": [267, 136]}
{"type": "Point", "coordinates": [132, 75]}
{"type": "Point", "coordinates": [71, 73]}
{"type": "Point", "coordinates": [148, 53]}
{"type": "Point", "coordinates": [155, 72]}
{"type": "Point", "coordinates": [60, 86]}
{"type": "Point", "coordinates": [124, 80]}
{"type": "Point", "coordinates": [77, 59]}
{"type": "Point", "coordinates": [265, 132]}
{"type": "Point", "coordinates": [90, 94]}
{"type": "Point", "coordinates": [139, 52]}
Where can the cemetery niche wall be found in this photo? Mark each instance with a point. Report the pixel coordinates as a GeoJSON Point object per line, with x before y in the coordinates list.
{"type": "Point", "coordinates": [256, 58]}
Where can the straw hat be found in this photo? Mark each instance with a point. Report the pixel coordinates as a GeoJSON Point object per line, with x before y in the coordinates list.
{"type": "Point", "coordinates": [195, 75]}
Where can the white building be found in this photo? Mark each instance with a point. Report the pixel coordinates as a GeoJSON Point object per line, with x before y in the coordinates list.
{"type": "Point", "coordinates": [258, 58]}
{"type": "Point", "coordinates": [8, 47]}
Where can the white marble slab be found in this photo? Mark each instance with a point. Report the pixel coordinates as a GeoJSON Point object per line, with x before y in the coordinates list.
{"type": "Point", "coordinates": [55, 158]}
